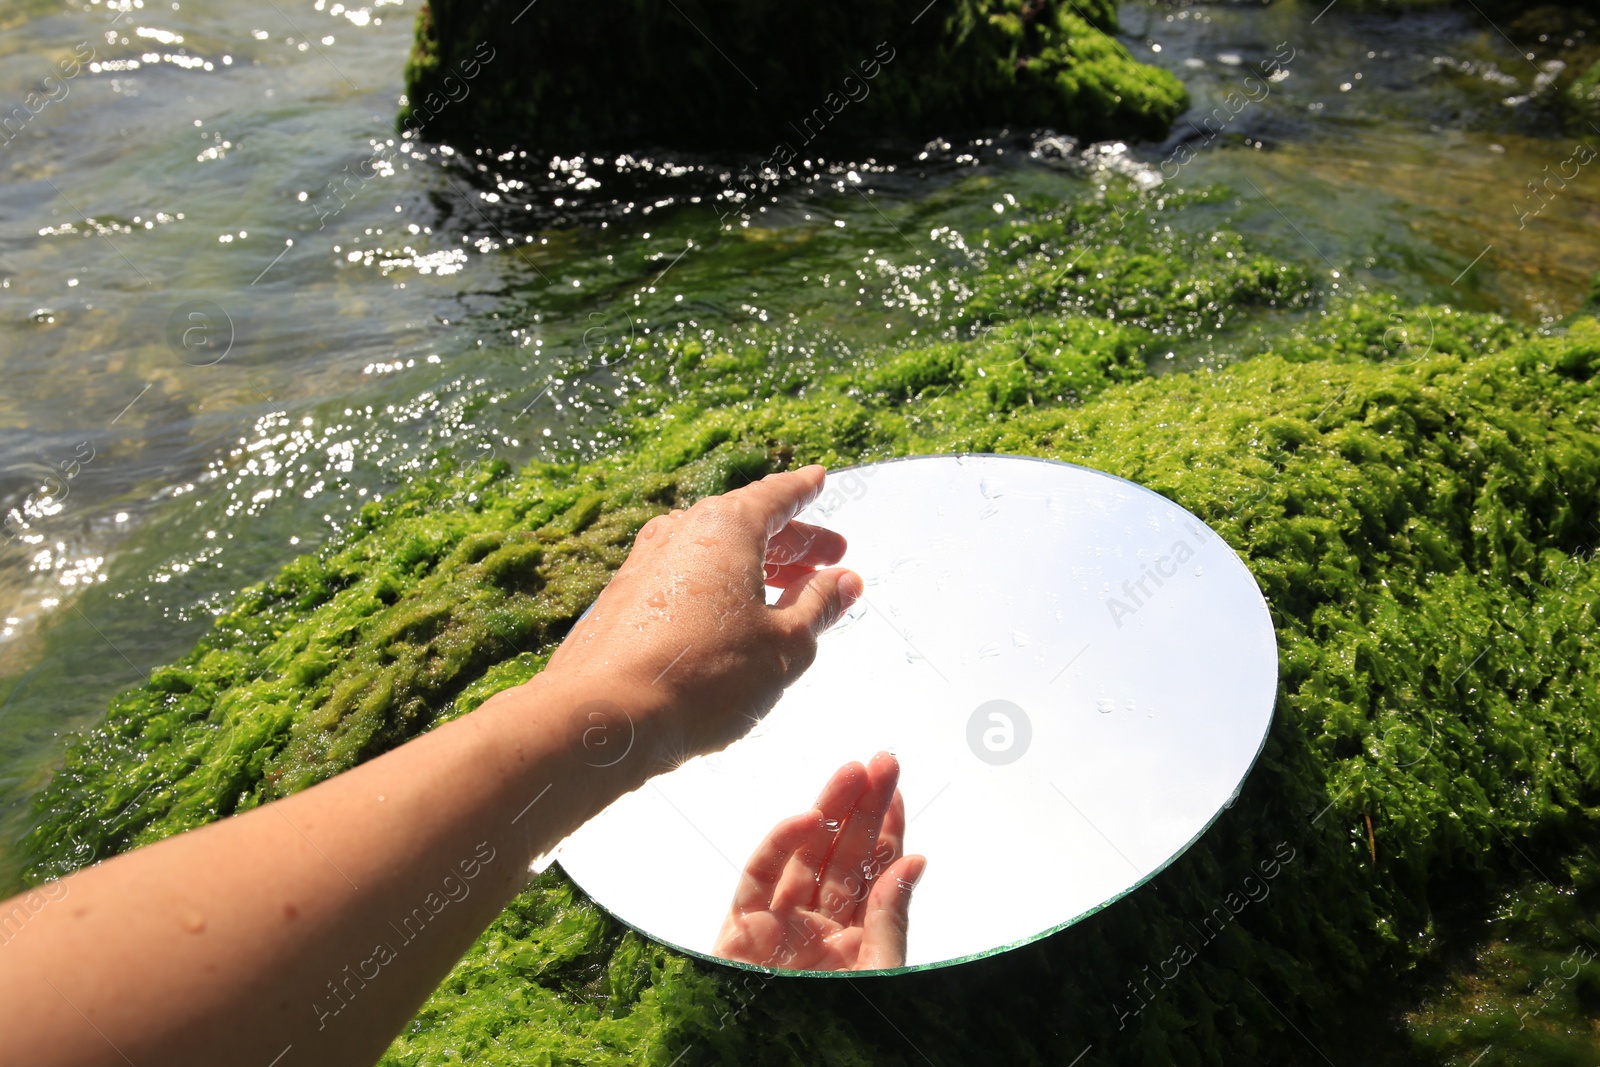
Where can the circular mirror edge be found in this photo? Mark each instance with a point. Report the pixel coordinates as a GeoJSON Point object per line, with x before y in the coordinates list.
{"type": "Point", "coordinates": [954, 961]}
{"type": "Point", "coordinates": [1177, 854]}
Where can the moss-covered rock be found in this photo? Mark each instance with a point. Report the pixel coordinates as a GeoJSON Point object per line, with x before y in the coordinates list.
{"type": "Point", "coordinates": [1416, 490]}
{"type": "Point", "coordinates": [578, 75]}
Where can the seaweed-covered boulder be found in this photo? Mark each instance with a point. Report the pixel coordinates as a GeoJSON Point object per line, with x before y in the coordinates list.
{"type": "Point", "coordinates": [582, 74]}
{"type": "Point", "coordinates": [1416, 490]}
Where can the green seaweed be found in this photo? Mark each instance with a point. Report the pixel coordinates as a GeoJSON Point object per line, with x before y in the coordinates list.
{"type": "Point", "coordinates": [570, 75]}
{"type": "Point", "coordinates": [1531, 987]}
{"type": "Point", "coordinates": [1416, 490]}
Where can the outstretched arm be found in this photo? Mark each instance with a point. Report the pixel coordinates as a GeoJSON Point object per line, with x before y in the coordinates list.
{"type": "Point", "coordinates": [311, 929]}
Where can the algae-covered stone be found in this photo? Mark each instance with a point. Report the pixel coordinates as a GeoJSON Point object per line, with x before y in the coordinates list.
{"type": "Point", "coordinates": [1415, 489]}
{"type": "Point", "coordinates": [578, 74]}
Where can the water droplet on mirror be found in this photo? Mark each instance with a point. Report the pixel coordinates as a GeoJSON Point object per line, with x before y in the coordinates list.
{"type": "Point", "coordinates": [1106, 706]}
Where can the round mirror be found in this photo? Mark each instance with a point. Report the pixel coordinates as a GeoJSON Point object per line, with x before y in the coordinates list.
{"type": "Point", "coordinates": [1053, 684]}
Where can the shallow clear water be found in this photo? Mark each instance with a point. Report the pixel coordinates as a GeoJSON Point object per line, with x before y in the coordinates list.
{"type": "Point", "coordinates": [1389, 150]}
{"type": "Point", "coordinates": [231, 310]}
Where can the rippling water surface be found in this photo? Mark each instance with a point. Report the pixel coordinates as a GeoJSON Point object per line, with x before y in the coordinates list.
{"type": "Point", "coordinates": [234, 304]}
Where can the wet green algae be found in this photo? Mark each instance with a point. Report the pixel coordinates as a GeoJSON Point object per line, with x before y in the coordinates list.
{"type": "Point", "coordinates": [1531, 986]}
{"type": "Point", "coordinates": [1414, 488]}
{"type": "Point", "coordinates": [572, 75]}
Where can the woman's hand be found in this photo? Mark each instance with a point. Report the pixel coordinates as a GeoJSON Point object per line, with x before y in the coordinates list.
{"type": "Point", "coordinates": [310, 929]}
{"type": "Point", "coordinates": [829, 890]}
{"type": "Point", "coordinates": [684, 630]}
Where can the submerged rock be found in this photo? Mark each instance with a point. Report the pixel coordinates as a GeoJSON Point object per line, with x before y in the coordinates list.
{"type": "Point", "coordinates": [576, 74]}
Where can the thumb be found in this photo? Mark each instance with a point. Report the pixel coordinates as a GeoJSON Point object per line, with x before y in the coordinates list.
{"type": "Point", "coordinates": [817, 599]}
{"type": "Point", "coordinates": [888, 915]}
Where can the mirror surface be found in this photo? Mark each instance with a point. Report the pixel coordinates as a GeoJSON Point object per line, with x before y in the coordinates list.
{"type": "Point", "coordinates": [1073, 673]}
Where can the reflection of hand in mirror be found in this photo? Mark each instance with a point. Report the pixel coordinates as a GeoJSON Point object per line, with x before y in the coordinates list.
{"type": "Point", "coordinates": [829, 890]}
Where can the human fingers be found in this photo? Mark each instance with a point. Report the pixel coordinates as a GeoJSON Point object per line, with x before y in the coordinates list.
{"type": "Point", "coordinates": [815, 601]}
{"type": "Point", "coordinates": [799, 886]}
{"type": "Point", "coordinates": [767, 863]}
{"type": "Point", "coordinates": [886, 920]}
{"type": "Point", "coordinates": [891, 839]}
{"type": "Point", "coordinates": [777, 498]}
{"type": "Point", "coordinates": [783, 577]}
{"type": "Point", "coordinates": [801, 542]}
{"type": "Point", "coordinates": [848, 876]}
